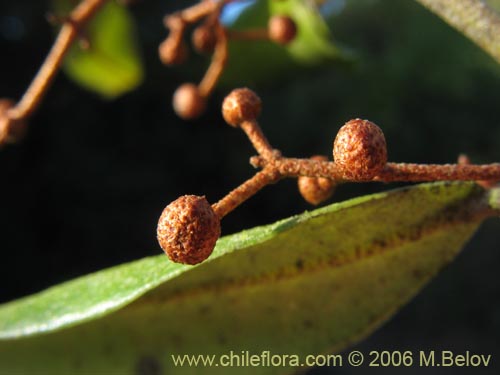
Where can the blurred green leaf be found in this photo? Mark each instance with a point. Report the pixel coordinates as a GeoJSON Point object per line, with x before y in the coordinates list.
{"type": "Point", "coordinates": [312, 283]}
{"type": "Point", "coordinates": [261, 61]}
{"type": "Point", "coordinates": [111, 66]}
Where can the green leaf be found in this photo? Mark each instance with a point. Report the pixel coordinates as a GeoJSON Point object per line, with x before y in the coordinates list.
{"type": "Point", "coordinates": [310, 284]}
{"type": "Point", "coordinates": [475, 19]}
{"type": "Point", "coordinates": [111, 66]}
{"type": "Point", "coordinates": [261, 61]}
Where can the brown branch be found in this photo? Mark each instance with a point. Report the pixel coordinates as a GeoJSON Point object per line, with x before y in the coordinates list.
{"type": "Point", "coordinates": [393, 172]}
{"type": "Point", "coordinates": [216, 68]}
{"type": "Point", "coordinates": [359, 149]}
{"type": "Point", "coordinates": [196, 12]}
{"type": "Point", "coordinates": [246, 190]}
{"type": "Point", "coordinates": [293, 167]}
{"type": "Point", "coordinates": [276, 168]}
{"type": "Point", "coordinates": [435, 172]}
{"type": "Point", "coordinates": [259, 140]}
{"type": "Point", "coordinates": [463, 159]}
{"type": "Point", "coordinates": [70, 31]}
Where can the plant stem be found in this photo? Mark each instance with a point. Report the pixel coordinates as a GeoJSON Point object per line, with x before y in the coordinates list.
{"type": "Point", "coordinates": [246, 190]}
{"type": "Point", "coordinates": [219, 60]}
{"type": "Point", "coordinates": [474, 18]}
{"type": "Point", "coordinates": [393, 172]}
{"type": "Point", "coordinates": [437, 172]}
{"type": "Point", "coordinates": [259, 140]}
{"type": "Point", "coordinates": [69, 32]}
{"type": "Point", "coordinates": [196, 12]}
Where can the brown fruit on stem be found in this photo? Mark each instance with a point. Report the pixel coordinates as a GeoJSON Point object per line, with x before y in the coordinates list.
{"type": "Point", "coordinates": [187, 102]}
{"type": "Point", "coordinates": [316, 190]}
{"type": "Point", "coordinates": [204, 39]}
{"type": "Point", "coordinates": [281, 29]}
{"type": "Point", "coordinates": [188, 229]}
{"type": "Point", "coordinates": [11, 130]}
{"type": "Point", "coordinates": [241, 105]}
{"type": "Point", "coordinates": [173, 51]}
{"type": "Point", "coordinates": [360, 149]}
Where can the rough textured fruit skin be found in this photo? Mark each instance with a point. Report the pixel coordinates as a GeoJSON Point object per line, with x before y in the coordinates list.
{"type": "Point", "coordinates": [10, 130]}
{"type": "Point", "coordinates": [204, 39]}
{"type": "Point", "coordinates": [171, 52]}
{"type": "Point", "coordinates": [187, 102]}
{"type": "Point", "coordinates": [360, 149]}
{"type": "Point", "coordinates": [241, 105]}
{"type": "Point", "coordinates": [188, 229]}
{"type": "Point", "coordinates": [316, 190]}
{"type": "Point", "coordinates": [281, 29]}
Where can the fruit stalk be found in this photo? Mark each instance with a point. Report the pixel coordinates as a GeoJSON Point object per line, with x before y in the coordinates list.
{"type": "Point", "coordinates": [70, 31]}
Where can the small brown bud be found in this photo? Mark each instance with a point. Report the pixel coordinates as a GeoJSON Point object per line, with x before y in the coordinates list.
{"type": "Point", "coordinates": [281, 29]}
{"type": "Point", "coordinates": [188, 229]}
{"type": "Point", "coordinates": [316, 190]}
{"type": "Point", "coordinates": [360, 149]}
{"type": "Point", "coordinates": [173, 51]}
{"type": "Point", "coordinates": [11, 130]}
{"type": "Point", "coordinates": [204, 39]}
{"type": "Point", "coordinates": [241, 105]}
{"type": "Point", "coordinates": [187, 102]}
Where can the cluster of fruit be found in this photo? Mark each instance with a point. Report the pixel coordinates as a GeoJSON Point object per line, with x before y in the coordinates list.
{"type": "Point", "coordinates": [210, 36]}
{"type": "Point", "coordinates": [189, 227]}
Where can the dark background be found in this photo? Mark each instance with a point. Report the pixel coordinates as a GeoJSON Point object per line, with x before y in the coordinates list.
{"type": "Point", "coordinates": [84, 189]}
